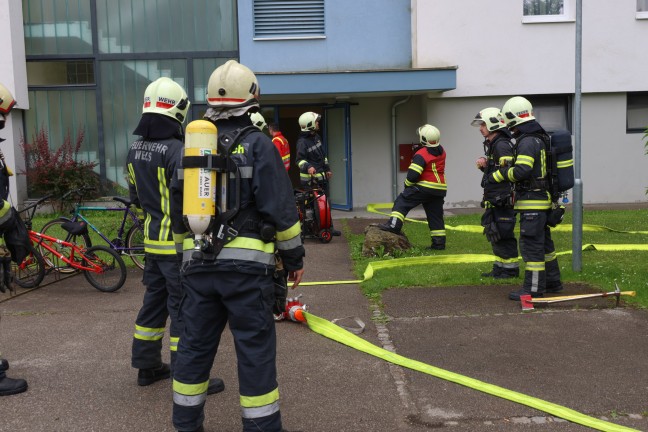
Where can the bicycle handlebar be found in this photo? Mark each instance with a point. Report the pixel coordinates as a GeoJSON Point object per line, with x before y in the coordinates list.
{"type": "Point", "coordinates": [78, 192]}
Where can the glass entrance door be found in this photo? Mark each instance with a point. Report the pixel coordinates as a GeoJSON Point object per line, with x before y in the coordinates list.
{"type": "Point", "coordinates": [337, 140]}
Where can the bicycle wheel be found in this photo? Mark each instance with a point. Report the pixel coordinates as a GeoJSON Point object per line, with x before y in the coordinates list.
{"type": "Point", "coordinates": [111, 274]}
{"type": "Point", "coordinates": [54, 228]}
{"type": "Point", "coordinates": [135, 245]}
{"type": "Point", "coordinates": [31, 271]}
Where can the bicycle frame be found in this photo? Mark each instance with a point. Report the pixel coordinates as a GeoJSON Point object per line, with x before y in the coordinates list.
{"type": "Point", "coordinates": [77, 215]}
{"type": "Point", "coordinates": [47, 242]}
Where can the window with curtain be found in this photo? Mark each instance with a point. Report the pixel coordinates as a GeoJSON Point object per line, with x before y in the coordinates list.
{"type": "Point", "coordinates": [137, 26]}
{"type": "Point", "coordinates": [61, 114]}
{"type": "Point", "coordinates": [642, 5]}
{"type": "Point", "coordinates": [57, 27]}
{"type": "Point", "coordinates": [543, 7]}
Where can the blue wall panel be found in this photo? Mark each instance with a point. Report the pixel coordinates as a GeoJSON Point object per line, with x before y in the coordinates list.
{"type": "Point", "coordinates": [360, 35]}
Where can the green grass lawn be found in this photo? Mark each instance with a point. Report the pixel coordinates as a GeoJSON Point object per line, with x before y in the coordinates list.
{"type": "Point", "coordinates": [600, 269]}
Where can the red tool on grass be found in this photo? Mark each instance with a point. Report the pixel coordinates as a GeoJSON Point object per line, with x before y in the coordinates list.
{"type": "Point", "coordinates": [527, 301]}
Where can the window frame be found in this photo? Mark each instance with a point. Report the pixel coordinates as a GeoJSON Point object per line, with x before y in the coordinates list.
{"type": "Point", "coordinates": [641, 129]}
{"type": "Point", "coordinates": [568, 15]}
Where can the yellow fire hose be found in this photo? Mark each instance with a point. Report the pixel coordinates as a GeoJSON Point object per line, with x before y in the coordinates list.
{"type": "Point", "coordinates": [375, 208]}
{"type": "Point", "coordinates": [338, 334]}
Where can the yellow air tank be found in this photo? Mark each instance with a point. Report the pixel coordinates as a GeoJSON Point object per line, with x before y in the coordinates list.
{"type": "Point", "coordinates": [199, 205]}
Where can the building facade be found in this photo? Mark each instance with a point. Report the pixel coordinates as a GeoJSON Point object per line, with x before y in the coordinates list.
{"type": "Point", "coordinates": [375, 70]}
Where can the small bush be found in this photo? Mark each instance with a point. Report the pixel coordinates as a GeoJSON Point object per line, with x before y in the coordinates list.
{"type": "Point", "coordinates": [56, 171]}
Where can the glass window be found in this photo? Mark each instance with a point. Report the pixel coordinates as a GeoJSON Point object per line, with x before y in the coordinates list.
{"type": "Point", "coordinates": [642, 5]}
{"type": "Point", "coordinates": [136, 26]}
{"type": "Point", "coordinates": [637, 112]}
{"type": "Point", "coordinates": [57, 27]}
{"type": "Point", "coordinates": [122, 89]}
{"type": "Point", "coordinates": [56, 73]}
{"type": "Point", "coordinates": [543, 7]}
{"type": "Point", "coordinates": [61, 114]}
{"type": "Point", "coordinates": [552, 112]}
{"type": "Point", "coordinates": [202, 70]}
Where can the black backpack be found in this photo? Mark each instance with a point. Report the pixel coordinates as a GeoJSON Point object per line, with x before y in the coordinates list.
{"type": "Point", "coordinates": [560, 162]}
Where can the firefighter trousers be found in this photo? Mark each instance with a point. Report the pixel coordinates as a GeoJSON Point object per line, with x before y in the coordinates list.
{"type": "Point", "coordinates": [506, 248]}
{"type": "Point", "coordinates": [161, 301]}
{"type": "Point", "coordinates": [212, 300]}
{"type": "Point", "coordinates": [432, 204]}
{"type": "Point", "coordinates": [538, 252]}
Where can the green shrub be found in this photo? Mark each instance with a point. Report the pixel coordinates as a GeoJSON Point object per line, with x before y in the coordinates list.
{"type": "Point", "coordinates": [56, 171]}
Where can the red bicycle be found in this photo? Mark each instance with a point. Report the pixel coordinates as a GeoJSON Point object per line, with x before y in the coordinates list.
{"type": "Point", "coordinates": [101, 266]}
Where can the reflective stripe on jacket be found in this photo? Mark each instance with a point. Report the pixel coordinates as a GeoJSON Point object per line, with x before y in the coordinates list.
{"type": "Point", "coordinates": [151, 166]}
{"type": "Point", "coordinates": [428, 169]}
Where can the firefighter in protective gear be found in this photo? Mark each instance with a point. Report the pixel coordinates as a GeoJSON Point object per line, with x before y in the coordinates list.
{"type": "Point", "coordinates": [425, 184]}
{"type": "Point", "coordinates": [8, 386]}
{"type": "Point", "coordinates": [258, 121]}
{"type": "Point", "coordinates": [235, 285]}
{"type": "Point", "coordinates": [532, 199]}
{"type": "Point", "coordinates": [498, 219]}
{"type": "Point", "coordinates": [314, 169]}
{"type": "Point", "coordinates": [152, 161]}
{"type": "Point", "coordinates": [281, 143]}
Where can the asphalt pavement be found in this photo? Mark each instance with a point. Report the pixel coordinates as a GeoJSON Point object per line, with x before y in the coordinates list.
{"type": "Point", "coordinates": [72, 343]}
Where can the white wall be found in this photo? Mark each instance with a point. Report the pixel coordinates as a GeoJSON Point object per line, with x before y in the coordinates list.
{"type": "Point", "coordinates": [498, 54]}
{"type": "Point", "coordinates": [498, 57]}
{"type": "Point", "coordinates": [614, 166]}
{"type": "Point", "coordinates": [371, 138]}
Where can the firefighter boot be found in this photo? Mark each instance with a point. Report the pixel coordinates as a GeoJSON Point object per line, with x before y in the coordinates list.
{"type": "Point", "coordinates": [554, 287]}
{"type": "Point", "coordinates": [494, 272]}
{"type": "Point", "coordinates": [10, 386]}
{"type": "Point", "coordinates": [438, 243]}
{"type": "Point", "coordinates": [393, 225]}
{"type": "Point", "coordinates": [216, 385]}
{"type": "Point", "coordinates": [508, 273]}
{"type": "Point", "coordinates": [149, 376]}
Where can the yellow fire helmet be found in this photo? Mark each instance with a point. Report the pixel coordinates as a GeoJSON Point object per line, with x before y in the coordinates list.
{"type": "Point", "coordinates": [517, 110]}
{"type": "Point", "coordinates": [167, 97]}
{"type": "Point", "coordinates": [491, 117]}
{"type": "Point", "coordinates": [308, 121]}
{"type": "Point", "coordinates": [429, 135]}
{"type": "Point", "coordinates": [258, 120]}
{"type": "Point", "coordinates": [232, 85]}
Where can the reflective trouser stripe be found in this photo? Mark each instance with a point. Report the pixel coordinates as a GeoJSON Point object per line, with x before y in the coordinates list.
{"type": "Point", "coordinates": [147, 333]}
{"type": "Point", "coordinates": [173, 343]}
{"type": "Point", "coordinates": [437, 233]}
{"type": "Point", "coordinates": [189, 395]}
{"type": "Point", "coordinates": [535, 266]}
{"type": "Point", "coordinates": [397, 215]}
{"type": "Point", "coordinates": [510, 263]}
{"type": "Point", "coordinates": [260, 406]}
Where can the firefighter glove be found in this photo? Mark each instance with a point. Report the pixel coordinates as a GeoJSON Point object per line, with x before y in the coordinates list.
{"type": "Point", "coordinates": [490, 226]}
